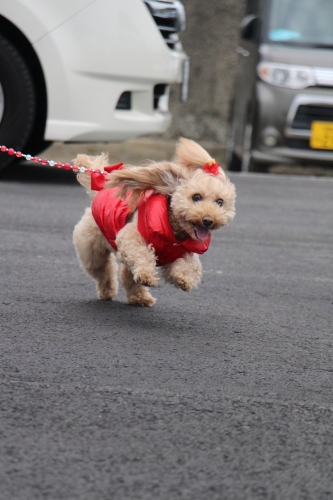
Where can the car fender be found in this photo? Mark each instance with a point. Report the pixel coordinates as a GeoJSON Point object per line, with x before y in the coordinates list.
{"type": "Point", "coordinates": [37, 18]}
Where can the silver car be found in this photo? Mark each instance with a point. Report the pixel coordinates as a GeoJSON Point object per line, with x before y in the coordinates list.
{"type": "Point", "coordinates": [282, 108]}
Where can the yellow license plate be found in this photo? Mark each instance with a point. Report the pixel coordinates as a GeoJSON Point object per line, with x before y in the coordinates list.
{"type": "Point", "coordinates": [321, 135]}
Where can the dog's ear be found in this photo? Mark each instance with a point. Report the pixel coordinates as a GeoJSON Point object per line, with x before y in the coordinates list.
{"type": "Point", "coordinates": [161, 177]}
{"type": "Point", "coordinates": [190, 154]}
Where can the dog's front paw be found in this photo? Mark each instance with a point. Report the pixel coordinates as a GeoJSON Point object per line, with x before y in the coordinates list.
{"type": "Point", "coordinates": [146, 279]}
{"type": "Point", "coordinates": [183, 273]}
{"type": "Point", "coordinates": [182, 283]}
{"type": "Point", "coordinates": [186, 281]}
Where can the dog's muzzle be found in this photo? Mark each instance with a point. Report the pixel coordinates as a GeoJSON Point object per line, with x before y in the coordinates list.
{"type": "Point", "coordinates": [207, 221]}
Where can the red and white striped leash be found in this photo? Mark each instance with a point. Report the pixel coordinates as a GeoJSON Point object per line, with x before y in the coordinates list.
{"type": "Point", "coordinates": [98, 177]}
{"type": "Point", "coordinates": [43, 161]}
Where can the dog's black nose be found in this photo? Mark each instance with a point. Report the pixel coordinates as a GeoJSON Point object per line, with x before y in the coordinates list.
{"type": "Point", "coordinates": [207, 221]}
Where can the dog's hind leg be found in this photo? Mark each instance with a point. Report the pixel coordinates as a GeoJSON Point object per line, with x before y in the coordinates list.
{"type": "Point", "coordinates": [137, 255]}
{"type": "Point", "coordinates": [137, 294]}
{"type": "Point", "coordinates": [95, 256]}
{"type": "Point", "coordinates": [106, 278]}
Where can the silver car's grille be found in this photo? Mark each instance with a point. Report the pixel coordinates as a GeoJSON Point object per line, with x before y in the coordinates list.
{"type": "Point", "coordinates": [306, 114]}
{"type": "Point", "coordinates": [170, 20]}
{"type": "Point", "coordinates": [305, 109]}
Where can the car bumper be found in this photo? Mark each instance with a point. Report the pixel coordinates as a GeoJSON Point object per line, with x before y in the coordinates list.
{"type": "Point", "coordinates": [105, 50]}
{"type": "Point", "coordinates": [276, 112]}
{"type": "Point", "coordinates": [288, 155]}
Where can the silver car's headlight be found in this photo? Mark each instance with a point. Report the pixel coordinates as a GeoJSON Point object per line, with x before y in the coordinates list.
{"type": "Point", "coordinates": [285, 75]}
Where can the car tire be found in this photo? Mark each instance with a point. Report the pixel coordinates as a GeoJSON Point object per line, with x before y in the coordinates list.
{"type": "Point", "coordinates": [231, 160]}
{"type": "Point", "coordinates": [247, 147]}
{"type": "Point", "coordinates": [233, 163]}
{"type": "Point", "coordinates": [262, 168]}
{"type": "Point", "coordinates": [17, 102]}
{"type": "Point", "coordinates": [36, 145]}
{"type": "Point", "coordinates": [247, 162]}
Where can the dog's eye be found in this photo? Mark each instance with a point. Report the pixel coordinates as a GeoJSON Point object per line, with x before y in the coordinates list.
{"type": "Point", "coordinates": [219, 202]}
{"type": "Point", "coordinates": [196, 197]}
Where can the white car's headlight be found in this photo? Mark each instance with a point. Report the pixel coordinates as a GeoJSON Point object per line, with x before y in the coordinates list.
{"type": "Point", "coordinates": [283, 75]}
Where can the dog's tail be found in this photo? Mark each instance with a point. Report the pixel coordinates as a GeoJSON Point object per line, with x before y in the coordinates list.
{"type": "Point", "coordinates": [93, 162]}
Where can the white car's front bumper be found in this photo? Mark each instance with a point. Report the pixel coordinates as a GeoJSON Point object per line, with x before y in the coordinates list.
{"type": "Point", "coordinates": [108, 48]}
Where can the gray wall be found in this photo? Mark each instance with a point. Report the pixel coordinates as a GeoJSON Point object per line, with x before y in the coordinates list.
{"type": "Point", "coordinates": [210, 39]}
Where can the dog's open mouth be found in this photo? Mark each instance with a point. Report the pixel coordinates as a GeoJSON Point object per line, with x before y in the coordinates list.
{"type": "Point", "coordinates": [202, 233]}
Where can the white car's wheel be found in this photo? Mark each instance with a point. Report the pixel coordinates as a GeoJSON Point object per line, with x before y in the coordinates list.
{"type": "Point", "coordinates": [17, 100]}
{"type": "Point", "coordinates": [2, 102]}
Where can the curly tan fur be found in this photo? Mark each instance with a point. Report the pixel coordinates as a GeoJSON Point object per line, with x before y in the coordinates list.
{"type": "Point", "coordinates": [199, 204]}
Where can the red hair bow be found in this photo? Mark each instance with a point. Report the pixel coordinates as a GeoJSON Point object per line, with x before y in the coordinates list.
{"type": "Point", "coordinates": [98, 178]}
{"type": "Point", "coordinates": [212, 169]}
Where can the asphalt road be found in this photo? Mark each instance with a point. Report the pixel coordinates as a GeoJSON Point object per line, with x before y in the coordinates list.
{"type": "Point", "coordinates": [223, 393]}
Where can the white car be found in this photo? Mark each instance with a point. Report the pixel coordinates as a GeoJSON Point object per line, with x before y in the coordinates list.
{"type": "Point", "coordinates": [87, 70]}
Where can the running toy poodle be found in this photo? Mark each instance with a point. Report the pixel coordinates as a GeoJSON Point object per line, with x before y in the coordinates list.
{"type": "Point", "coordinates": [162, 214]}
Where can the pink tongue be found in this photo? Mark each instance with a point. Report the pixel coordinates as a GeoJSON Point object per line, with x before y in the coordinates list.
{"type": "Point", "coordinates": [201, 232]}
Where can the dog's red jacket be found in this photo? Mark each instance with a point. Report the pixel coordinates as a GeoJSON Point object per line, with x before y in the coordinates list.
{"type": "Point", "coordinates": [111, 213]}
